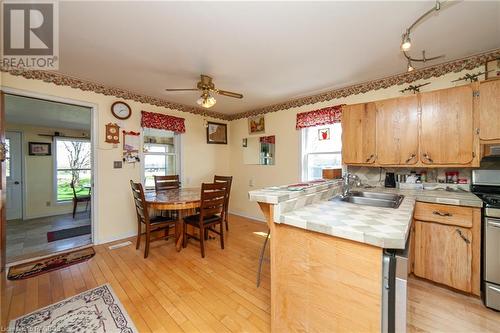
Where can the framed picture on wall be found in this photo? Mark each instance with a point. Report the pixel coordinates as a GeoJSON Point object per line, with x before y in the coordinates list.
{"type": "Point", "coordinates": [217, 133]}
{"type": "Point", "coordinates": [256, 125]}
{"type": "Point", "coordinates": [39, 148]}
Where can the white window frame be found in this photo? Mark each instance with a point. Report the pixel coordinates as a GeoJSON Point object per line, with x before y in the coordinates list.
{"type": "Point", "coordinates": [54, 154]}
{"type": "Point", "coordinates": [177, 154]}
{"type": "Point", "coordinates": [304, 161]}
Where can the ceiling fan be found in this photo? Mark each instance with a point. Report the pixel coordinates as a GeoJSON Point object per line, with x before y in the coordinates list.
{"type": "Point", "coordinates": [207, 87]}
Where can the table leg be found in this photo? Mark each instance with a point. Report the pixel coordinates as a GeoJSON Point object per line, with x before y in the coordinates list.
{"type": "Point", "coordinates": [180, 231]}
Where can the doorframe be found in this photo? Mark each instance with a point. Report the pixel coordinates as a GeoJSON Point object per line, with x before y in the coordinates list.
{"type": "Point", "coordinates": [94, 141]}
{"type": "Point", "coordinates": [23, 183]}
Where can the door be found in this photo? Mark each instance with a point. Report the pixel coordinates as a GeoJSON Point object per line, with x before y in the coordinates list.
{"type": "Point", "coordinates": [447, 126]}
{"type": "Point", "coordinates": [489, 110]}
{"type": "Point", "coordinates": [443, 254]}
{"type": "Point", "coordinates": [397, 131]}
{"type": "Point", "coordinates": [358, 134]}
{"type": "Point", "coordinates": [3, 227]}
{"type": "Point", "coordinates": [14, 204]}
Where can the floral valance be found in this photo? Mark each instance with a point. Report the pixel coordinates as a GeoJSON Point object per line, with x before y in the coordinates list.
{"type": "Point", "coordinates": [325, 116]}
{"type": "Point", "coordinates": [162, 121]}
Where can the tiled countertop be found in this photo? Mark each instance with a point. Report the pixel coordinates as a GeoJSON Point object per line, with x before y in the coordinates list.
{"type": "Point", "coordinates": [383, 227]}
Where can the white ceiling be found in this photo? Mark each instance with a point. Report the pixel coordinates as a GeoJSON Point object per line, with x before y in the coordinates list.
{"type": "Point", "coordinates": [37, 112]}
{"type": "Point", "coordinates": [268, 51]}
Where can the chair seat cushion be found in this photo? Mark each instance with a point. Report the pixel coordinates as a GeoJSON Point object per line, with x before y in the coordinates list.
{"type": "Point", "coordinates": [195, 219]}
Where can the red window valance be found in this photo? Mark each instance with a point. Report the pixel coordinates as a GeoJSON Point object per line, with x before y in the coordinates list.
{"type": "Point", "coordinates": [325, 116]}
{"type": "Point", "coordinates": [162, 121]}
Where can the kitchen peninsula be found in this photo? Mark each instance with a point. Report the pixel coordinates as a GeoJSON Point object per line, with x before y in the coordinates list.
{"type": "Point", "coordinates": [327, 256]}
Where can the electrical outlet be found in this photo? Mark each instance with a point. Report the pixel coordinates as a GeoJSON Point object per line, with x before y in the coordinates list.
{"type": "Point", "coordinates": [47, 203]}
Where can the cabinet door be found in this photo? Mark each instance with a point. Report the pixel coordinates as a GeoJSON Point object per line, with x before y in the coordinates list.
{"type": "Point", "coordinates": [489, 110]}
{"type": "Point", "coordinates": [397, 131]}
{"type": "Point", "coordinates": [443, 254]}
{"type": "Point", "coordinates": [358, 134]}
{"type": "Point", "coordinates": [447, 126]}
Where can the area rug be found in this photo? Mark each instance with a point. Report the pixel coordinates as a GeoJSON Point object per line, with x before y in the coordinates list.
{"type": "Point", "coordinates": [37, 267]}
{"type": "Point", "coordinates": [53, 236]}
{"type": "Point", "coordinates": [95, 310]}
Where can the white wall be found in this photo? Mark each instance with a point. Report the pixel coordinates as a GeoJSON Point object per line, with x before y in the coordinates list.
{"type": "Point", "coordinates": [282, 124]}
{"type": "Point", "coordinates": [116, 215]}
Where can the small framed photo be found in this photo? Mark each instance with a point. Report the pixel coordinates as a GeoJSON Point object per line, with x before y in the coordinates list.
{"type": "Point", "coordinates": [492, 69]}
{"type": "Point", "coordinates": [256, 125]}
{"type": "Point", "coordinates": [323, 134]}
{"type": "Point", "coordinates": [39, 148]}
{"type": "Point", "coordinates": [217, 133]}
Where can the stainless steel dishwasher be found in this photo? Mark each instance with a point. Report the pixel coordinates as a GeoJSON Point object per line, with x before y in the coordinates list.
{"type": "Point", "coordinates": [395, 290]}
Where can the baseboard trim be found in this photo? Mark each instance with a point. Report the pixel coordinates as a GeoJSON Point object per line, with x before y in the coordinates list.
{"type": "Point", "coordinates": [255, 218]}
{"type": "Point", "coordinates": [117, 238]}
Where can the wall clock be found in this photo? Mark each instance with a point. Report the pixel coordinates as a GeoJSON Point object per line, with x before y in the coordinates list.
{"type": "Point", "coordinates": [121, 110]}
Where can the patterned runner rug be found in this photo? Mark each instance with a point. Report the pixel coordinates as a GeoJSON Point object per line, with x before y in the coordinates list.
{"type": "Point", "coordinates": [37, 267]}
{"type": "Point", "coordinates": [96, 310]}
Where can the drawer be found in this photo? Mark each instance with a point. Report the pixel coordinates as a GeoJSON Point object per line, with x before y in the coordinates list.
{"type": "Point", "coordinates": [444, 214]}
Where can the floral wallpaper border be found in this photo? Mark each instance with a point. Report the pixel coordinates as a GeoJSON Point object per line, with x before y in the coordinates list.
{"type": "Point", "coordinates": [399, 79]}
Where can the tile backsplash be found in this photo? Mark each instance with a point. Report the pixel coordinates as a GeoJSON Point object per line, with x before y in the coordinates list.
{"type": "Point", "coordinates": [375, 176]}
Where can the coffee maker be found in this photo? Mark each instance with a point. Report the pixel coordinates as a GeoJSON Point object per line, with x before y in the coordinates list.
{"type": "Point", "coordinates": [390, 180]}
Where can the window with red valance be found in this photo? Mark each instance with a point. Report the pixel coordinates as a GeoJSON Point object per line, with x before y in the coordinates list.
{"type": "Point", "coordinates": [162, 121]}
{"type": "Point", "coordinates": [325, 116]}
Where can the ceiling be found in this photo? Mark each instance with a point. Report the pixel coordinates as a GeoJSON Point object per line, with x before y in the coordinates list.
{"type": "Point", "coordinates": [269, 51]}
{"type": "Point", "coordinates": [37, 112]}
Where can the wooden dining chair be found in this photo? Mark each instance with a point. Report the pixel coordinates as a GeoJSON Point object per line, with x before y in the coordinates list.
{"type": "Point", "coordinates": [79, 198]}
{"type": "Point", "coordinates": [228, 180]}
{"type": "Point", "coordinates": [151, 224]}
{"type": "Point", "coordinates": [163, 183]}
{"type": "Point", "coordinates": [213, 198]}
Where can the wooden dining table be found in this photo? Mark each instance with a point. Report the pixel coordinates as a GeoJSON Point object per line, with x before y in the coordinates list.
{"type": "Point", "coordinates": [182, 200]}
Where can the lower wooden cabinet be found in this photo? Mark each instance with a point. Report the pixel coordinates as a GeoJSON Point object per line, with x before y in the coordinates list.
{"type": "Point", "coordinates": [443, 254]}
{"type": "Point", "coordinates": [446, 245]}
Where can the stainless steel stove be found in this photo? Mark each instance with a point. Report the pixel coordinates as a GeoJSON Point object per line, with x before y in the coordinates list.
{"type": "Point", "coordinates": [486, 185]}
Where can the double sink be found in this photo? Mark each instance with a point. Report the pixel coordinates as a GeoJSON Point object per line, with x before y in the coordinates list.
{"type": "Point", "coordinates": [376, 199]}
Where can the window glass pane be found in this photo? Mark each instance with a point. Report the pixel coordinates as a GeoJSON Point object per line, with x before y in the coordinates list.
{"type": "Point", "coordinates": [7, 157]}
{"type": "Point", "coordinates": [317, 162]}
{"type": "Point", "coordinates": [82, 183]}
{"type": "Point", "coordinates": [152, 148]}
{"type": "Point", "coordinates": [158, 165]}
{"type": "Point", "coordinates": [324, 138]}
{"type": "Point", "coordinates": [154, 161]}
{"type": "Point", "coordinates": [73, 164]}
{"type": "Point", "coordinates": [148, 176]}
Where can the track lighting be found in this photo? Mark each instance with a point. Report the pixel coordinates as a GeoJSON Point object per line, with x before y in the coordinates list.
{"type": "Point", "coordinates": [406, 42]}
{"type": "Point", "coordinates": [410, 67]}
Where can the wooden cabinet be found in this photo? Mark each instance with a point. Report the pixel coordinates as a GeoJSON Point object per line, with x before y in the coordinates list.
{"type": "Point", "coordinates": [489, 110]}
{"type": "Point", "coordinates": [443, 254]}
{"type": "Point", "coordinates": [446, 245]}
{"type": "Point", "coordinates": [447, 126]}
{"type": "Point", "coordinates": [358, 134]}
{"type": "Point", "coordinates": [397, 131]}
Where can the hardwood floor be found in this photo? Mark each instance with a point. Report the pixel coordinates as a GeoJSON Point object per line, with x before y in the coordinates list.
{"type": "Point", "coordinates": [181, 292]}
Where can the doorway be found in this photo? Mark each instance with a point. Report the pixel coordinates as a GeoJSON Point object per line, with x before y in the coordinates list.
{"type": "Point", "coordinates": [13, 173]}
{"type": "Point", "coordinates": [49, 173]}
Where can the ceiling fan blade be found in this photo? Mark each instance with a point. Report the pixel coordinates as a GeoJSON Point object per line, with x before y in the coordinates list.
{"type": "Point", "coordinates": [181, 89]}
{"type": "Point", "coordinates": [228, 93]}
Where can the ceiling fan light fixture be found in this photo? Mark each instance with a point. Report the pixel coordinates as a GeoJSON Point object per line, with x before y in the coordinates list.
{"type": "Point", "coordinates": [206, 100]}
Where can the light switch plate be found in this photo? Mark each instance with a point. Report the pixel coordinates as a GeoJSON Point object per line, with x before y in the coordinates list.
{"type": "Point", "coordinates": [117, 164]}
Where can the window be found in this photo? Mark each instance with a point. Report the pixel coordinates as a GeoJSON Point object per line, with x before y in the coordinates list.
{"type": "Point", "coordinates": [321, 148]}
{"type": "Point", "coordinates": [160, 155]}
{"type": "Point", "coordinates": [7, 158]}
{"type": "Point", "coordinates": [73, 164]}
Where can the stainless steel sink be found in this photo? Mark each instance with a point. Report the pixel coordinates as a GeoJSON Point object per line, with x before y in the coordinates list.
{"type": "Point", "coordinates": [375, 199]}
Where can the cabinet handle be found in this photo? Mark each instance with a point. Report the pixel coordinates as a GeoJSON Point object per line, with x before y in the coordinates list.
{"type": "Point", "coordinates": [369, 158]}
{"type": "Point", "coordinates": [441, 213]}
{"type": "Point", "coordinates": [412, 156]}
{"type": "Point", "coordinates": [428, 158]}
{"type": "Point", "coordinates": [459, 232]}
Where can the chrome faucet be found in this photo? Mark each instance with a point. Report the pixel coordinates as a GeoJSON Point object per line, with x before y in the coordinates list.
{"type": "Point", "coordinates": [347, 183]}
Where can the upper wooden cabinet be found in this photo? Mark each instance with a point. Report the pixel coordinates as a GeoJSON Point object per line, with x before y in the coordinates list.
{"type": "Point", "coordinates": [447, 134]}
{"type": "Point", "coordinates": [358, 134]}
{"type": "Point", "coordinates": [397, 131]}
{"type": "Point", "coordinates": [489, 110]}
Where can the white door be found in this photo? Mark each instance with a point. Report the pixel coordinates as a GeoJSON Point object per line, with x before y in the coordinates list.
{"type": "Point", "coordinates": [14, 176]}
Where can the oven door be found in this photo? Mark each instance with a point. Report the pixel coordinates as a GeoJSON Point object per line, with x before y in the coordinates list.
{"type": "Point", "coordinates": [492, 250]}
